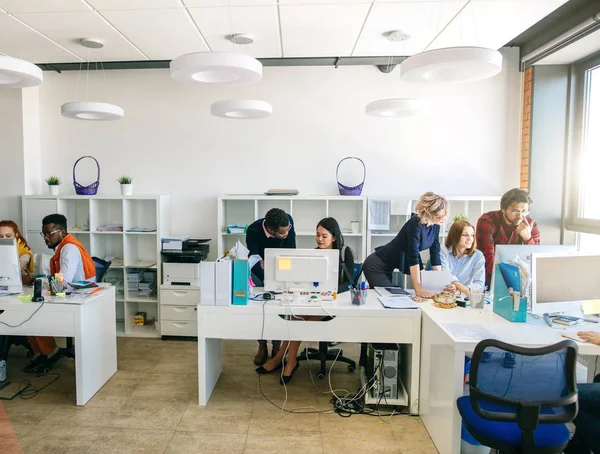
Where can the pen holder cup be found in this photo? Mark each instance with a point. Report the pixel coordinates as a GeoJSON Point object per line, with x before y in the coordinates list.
{"type": "Point", "coordinates": [477, 300]}
{"type": "Point", "coordinates": [358, 297]}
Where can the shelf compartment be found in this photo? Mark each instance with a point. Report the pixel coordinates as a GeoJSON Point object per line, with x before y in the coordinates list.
{"type": "Point", "coordinates": [265, 205]}
{"type": "Point", "coordinates": [140, 248]}
{"type": "Point", "coordinates": [104, 246]}
{"type": "Point", "coordinates": [77, 213]}
{"type": "Point", "coordinates": [308, 213]}
{"type": "Point", "coordinates": [346, 212]}
{"type": "Point", "coordinates": [105, 212]}
{"type": "Point", "coordinates": [140, 213]}
{"type": "Point", "coordinates": [234, 211]}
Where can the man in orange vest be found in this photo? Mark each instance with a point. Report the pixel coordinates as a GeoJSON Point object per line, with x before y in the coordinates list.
{"type": "Point", "coordinates": [74, 263]}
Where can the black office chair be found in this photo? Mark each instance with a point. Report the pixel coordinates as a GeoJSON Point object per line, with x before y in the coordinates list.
{"type": "Point", "coordinates": [523, 409]}
{"type": "Point", "coordinates": [102, 267]}
{"type": "Point", "coordinates": [324, 354]}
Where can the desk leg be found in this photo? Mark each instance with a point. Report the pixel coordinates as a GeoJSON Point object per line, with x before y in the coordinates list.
{"type": "Point", "coordinates": [592, 368]}
{"type": "Point", "coordinates": [210, 365]}
{"type": "Point", "coordinates": [95, 347]}
{"type": "Point", "coordinates": [442, 374]}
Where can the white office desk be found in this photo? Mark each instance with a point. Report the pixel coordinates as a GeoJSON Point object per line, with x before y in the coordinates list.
{"type": "Point", "coordinates": [368, 323]}
{"type": "Point", "coordinates": [446, 336]}
{"type": "Point", "coordinates": [91, 323]}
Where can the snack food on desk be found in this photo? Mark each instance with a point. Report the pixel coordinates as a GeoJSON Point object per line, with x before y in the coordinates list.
{"type": "Point", "coordinates": [417, 299]}
{"type": "Point", "coordinates": [444, 300]}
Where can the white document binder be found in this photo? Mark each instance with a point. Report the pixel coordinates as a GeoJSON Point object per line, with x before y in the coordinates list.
{"type": "Point", "coordinates": [207, 286]}
{"type": "Point", "coordinates": [223, 283]}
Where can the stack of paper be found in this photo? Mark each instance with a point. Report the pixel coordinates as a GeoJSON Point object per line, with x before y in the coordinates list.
{"type": "Point", "coordinates": [110, 228]}
{"type": "Point", "coordinates": [398, 302]}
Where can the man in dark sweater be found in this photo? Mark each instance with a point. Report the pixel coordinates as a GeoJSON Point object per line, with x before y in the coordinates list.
{"type": "Point", "coordinates": [275, 230]}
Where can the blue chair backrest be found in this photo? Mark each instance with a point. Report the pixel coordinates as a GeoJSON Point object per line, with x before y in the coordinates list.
{"type": "Point", "coordinates": [542, 383]}
{"type": "Point", "coordinates": [101, 268]}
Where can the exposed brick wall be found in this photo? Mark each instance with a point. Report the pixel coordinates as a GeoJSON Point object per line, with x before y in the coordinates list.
{"type": "Point", "coordinates": [526, 128]}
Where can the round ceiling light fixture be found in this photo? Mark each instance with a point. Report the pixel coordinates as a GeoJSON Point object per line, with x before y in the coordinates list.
{"type": "Point", "coordinates": [93, 111]}
{"type": "Point", "coordinates": [222, 68]}
{"type": "Point", "coordinates": [452, 64]}
{"type": "Point", "coordinates": [241, 109]}
{"type": "Point", "coordinates": [16, 73]}
{"type": "Point", "coordinates": [394, 108]}
{"type": "Point", "coordinates": [241, 38]}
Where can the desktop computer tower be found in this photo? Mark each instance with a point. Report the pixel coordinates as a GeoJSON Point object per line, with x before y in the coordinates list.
{"type": "Point", "coordinates": [383, 366]}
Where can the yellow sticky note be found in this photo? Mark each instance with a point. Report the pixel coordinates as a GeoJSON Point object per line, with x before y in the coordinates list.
{"type": "Point", "coordinates": [591, 307]}
{"type": "Point", "coordinates": [284, 264]}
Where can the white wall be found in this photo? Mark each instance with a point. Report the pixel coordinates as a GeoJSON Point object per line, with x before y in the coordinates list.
{"type": "Point", "coordinates": [11, 154]}
{"type": "Point", "coordinates": [169, 142]}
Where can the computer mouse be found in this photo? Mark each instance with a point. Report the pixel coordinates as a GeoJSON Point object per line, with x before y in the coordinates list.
{"type": "Point", "coordinates": [267, 296]}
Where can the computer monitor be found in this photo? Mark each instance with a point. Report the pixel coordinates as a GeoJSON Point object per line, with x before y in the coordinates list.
{"type": "Point", "coordinates": [507, 252]}
{"type": "Point", "coordinates": [10, 268]}
{"type": "Point", "coordinates": [301, 270]}
{"type": "Point", "coordinates": [562, 281]}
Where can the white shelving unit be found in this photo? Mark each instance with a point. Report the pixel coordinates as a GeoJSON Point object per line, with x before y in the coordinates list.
{"type": "Point", "coordinates": [307, 212]}
{"type": "Point", "coordinates": [131, 250]}
{"type": "Point", "coordinates": [402, 207]}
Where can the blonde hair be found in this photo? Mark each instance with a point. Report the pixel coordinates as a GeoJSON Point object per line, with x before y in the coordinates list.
{"type": "Point", "coordinates": [432, 208]}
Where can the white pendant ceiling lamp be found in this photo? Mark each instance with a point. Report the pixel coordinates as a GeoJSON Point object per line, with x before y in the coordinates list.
{"type": "Point", "coordinates": [91, 110]}
{"type": "Point", "coordinates": [216, 68]}
{"type": "Point", "coordinates": [452, 64]}
{"type": "Point", "coordinates": [393, 108]}
{"type": "Point", "coordinates": [241, 109]}
{"type": "Point", "coordinates": [15, 73]}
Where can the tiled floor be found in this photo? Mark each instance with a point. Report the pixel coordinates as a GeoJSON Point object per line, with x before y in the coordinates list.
{"type": "Point", "coordinates": [151, 406]}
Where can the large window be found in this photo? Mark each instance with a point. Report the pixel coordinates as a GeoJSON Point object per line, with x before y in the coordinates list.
{"type": "Point", "coordinates": [585, 156]}
{"type": "Point", "coordinates": [590, 159]}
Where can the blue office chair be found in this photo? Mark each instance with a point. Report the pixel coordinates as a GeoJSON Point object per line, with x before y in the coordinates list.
{"type": "Point", "coordinates": [523, 409]}
{"type": "Point", "coordinates": [102, 267]}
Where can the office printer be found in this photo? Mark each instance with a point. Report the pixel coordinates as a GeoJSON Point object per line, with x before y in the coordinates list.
{"type": "Point", "coordinates": [181, 260]}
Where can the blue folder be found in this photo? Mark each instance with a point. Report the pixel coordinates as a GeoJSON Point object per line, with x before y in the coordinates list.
{"type": "Point", "coordinates": [241, 287]}
{"type": "Point", "coordinates": [508, 276]}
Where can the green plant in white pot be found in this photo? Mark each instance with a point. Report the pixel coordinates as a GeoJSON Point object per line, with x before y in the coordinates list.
{"type": "Point", "coordinates": [53, 184]}
{"type": "Point", "coordinates": [126, 185]}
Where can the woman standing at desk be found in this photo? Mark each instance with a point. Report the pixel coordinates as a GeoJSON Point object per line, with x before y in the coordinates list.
{"type": "Point", "coordinates": [461, 257]}
{"type": "Point", "coordinates": [329, 236]}
{"type": "Point", "coordinates": [421, 231]}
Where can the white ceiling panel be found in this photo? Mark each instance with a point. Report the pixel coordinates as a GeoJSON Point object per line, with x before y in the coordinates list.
{"type": "Point", "coordinates": [225, 3]}
{"type": "Point", "coordinates": [161, 34]}
{"type": "Point", "coordinates": [42, 6]}
{"type": "Point", "coordinates": [67, 29]}
{"type": "Point", "coordinates": [260, 21]}
{"type": "Point", "coordinates": [318, 2]}
{"type": "Point", "coordinates": [493, 23]}
{"type": "Point", "coordinates": [17, 40]}
{"type": "Point", "coordinates": [321, 30]}
{"type": "Point", "coordinates": [421, 20]}
{"type": "Point", "coordinates": [133, 4]}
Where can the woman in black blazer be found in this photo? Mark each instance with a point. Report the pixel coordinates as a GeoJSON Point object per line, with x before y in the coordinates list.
{"type": "Point", "coordinates": [328, 236]}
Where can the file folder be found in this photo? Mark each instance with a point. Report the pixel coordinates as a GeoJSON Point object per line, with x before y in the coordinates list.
{"type": "Point", "coordinates": [207, 283]}
{"type": "Point", "coordinates": [241, 287]}
{"type": "Point", "coordinates": [505, 304]}
{"type": "Point", "coordinates": [223, 282]}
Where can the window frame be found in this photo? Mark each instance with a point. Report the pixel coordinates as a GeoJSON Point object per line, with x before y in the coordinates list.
{"type": "Point", "coordinates": [578, 123]}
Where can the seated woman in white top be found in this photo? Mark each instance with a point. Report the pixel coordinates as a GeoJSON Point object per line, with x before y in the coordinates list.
{"type": "Point", "coordinates": [460, 256]}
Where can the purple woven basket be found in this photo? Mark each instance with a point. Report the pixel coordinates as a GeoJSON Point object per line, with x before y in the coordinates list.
{"type": "Point", "coordinates": [92, 188]}
{"type": "Point", "coordinates": [350, 190]}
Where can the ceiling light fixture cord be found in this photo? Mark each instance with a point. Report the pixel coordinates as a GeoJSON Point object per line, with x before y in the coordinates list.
{"type": "Point", "coordinates": [105, 83]}
{"type": "Point", "coordinates": [78, 77]}
{"type": "Point", "coordinates": [87, 75]}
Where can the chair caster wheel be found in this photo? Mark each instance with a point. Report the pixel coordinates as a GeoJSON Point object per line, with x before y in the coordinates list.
{"type": "Point", "coordinates": [351, 368]}
{"type": "Point", "coordinates": [320, 376]}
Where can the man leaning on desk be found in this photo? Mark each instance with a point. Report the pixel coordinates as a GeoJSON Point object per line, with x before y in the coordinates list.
{"type": "Point", "coordinates": [74, 263]}
{"type": "Point", "coordinates": [510, 225]}
{"type": "Point", "coordinates": [275, 230]}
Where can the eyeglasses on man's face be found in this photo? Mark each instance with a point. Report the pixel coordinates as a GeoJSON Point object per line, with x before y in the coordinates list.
{"type": "Point", "coordinates": [519, 212]}
{"type": "Point", "coordinates": [279, 233]}
{"type": "Point", "coordinates": [48, 234]}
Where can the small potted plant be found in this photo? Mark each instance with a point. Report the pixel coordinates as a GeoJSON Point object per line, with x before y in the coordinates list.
{"type": "Point", "coordinates": [460, 217]}
{"type": "Point", "coordinates": [126, 185]}
{"type": "Point", "coordinates": [53, 183]}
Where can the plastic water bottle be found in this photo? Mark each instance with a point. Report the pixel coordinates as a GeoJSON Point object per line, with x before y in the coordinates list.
{"type": "Point", "coordinates": [2, 370]}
